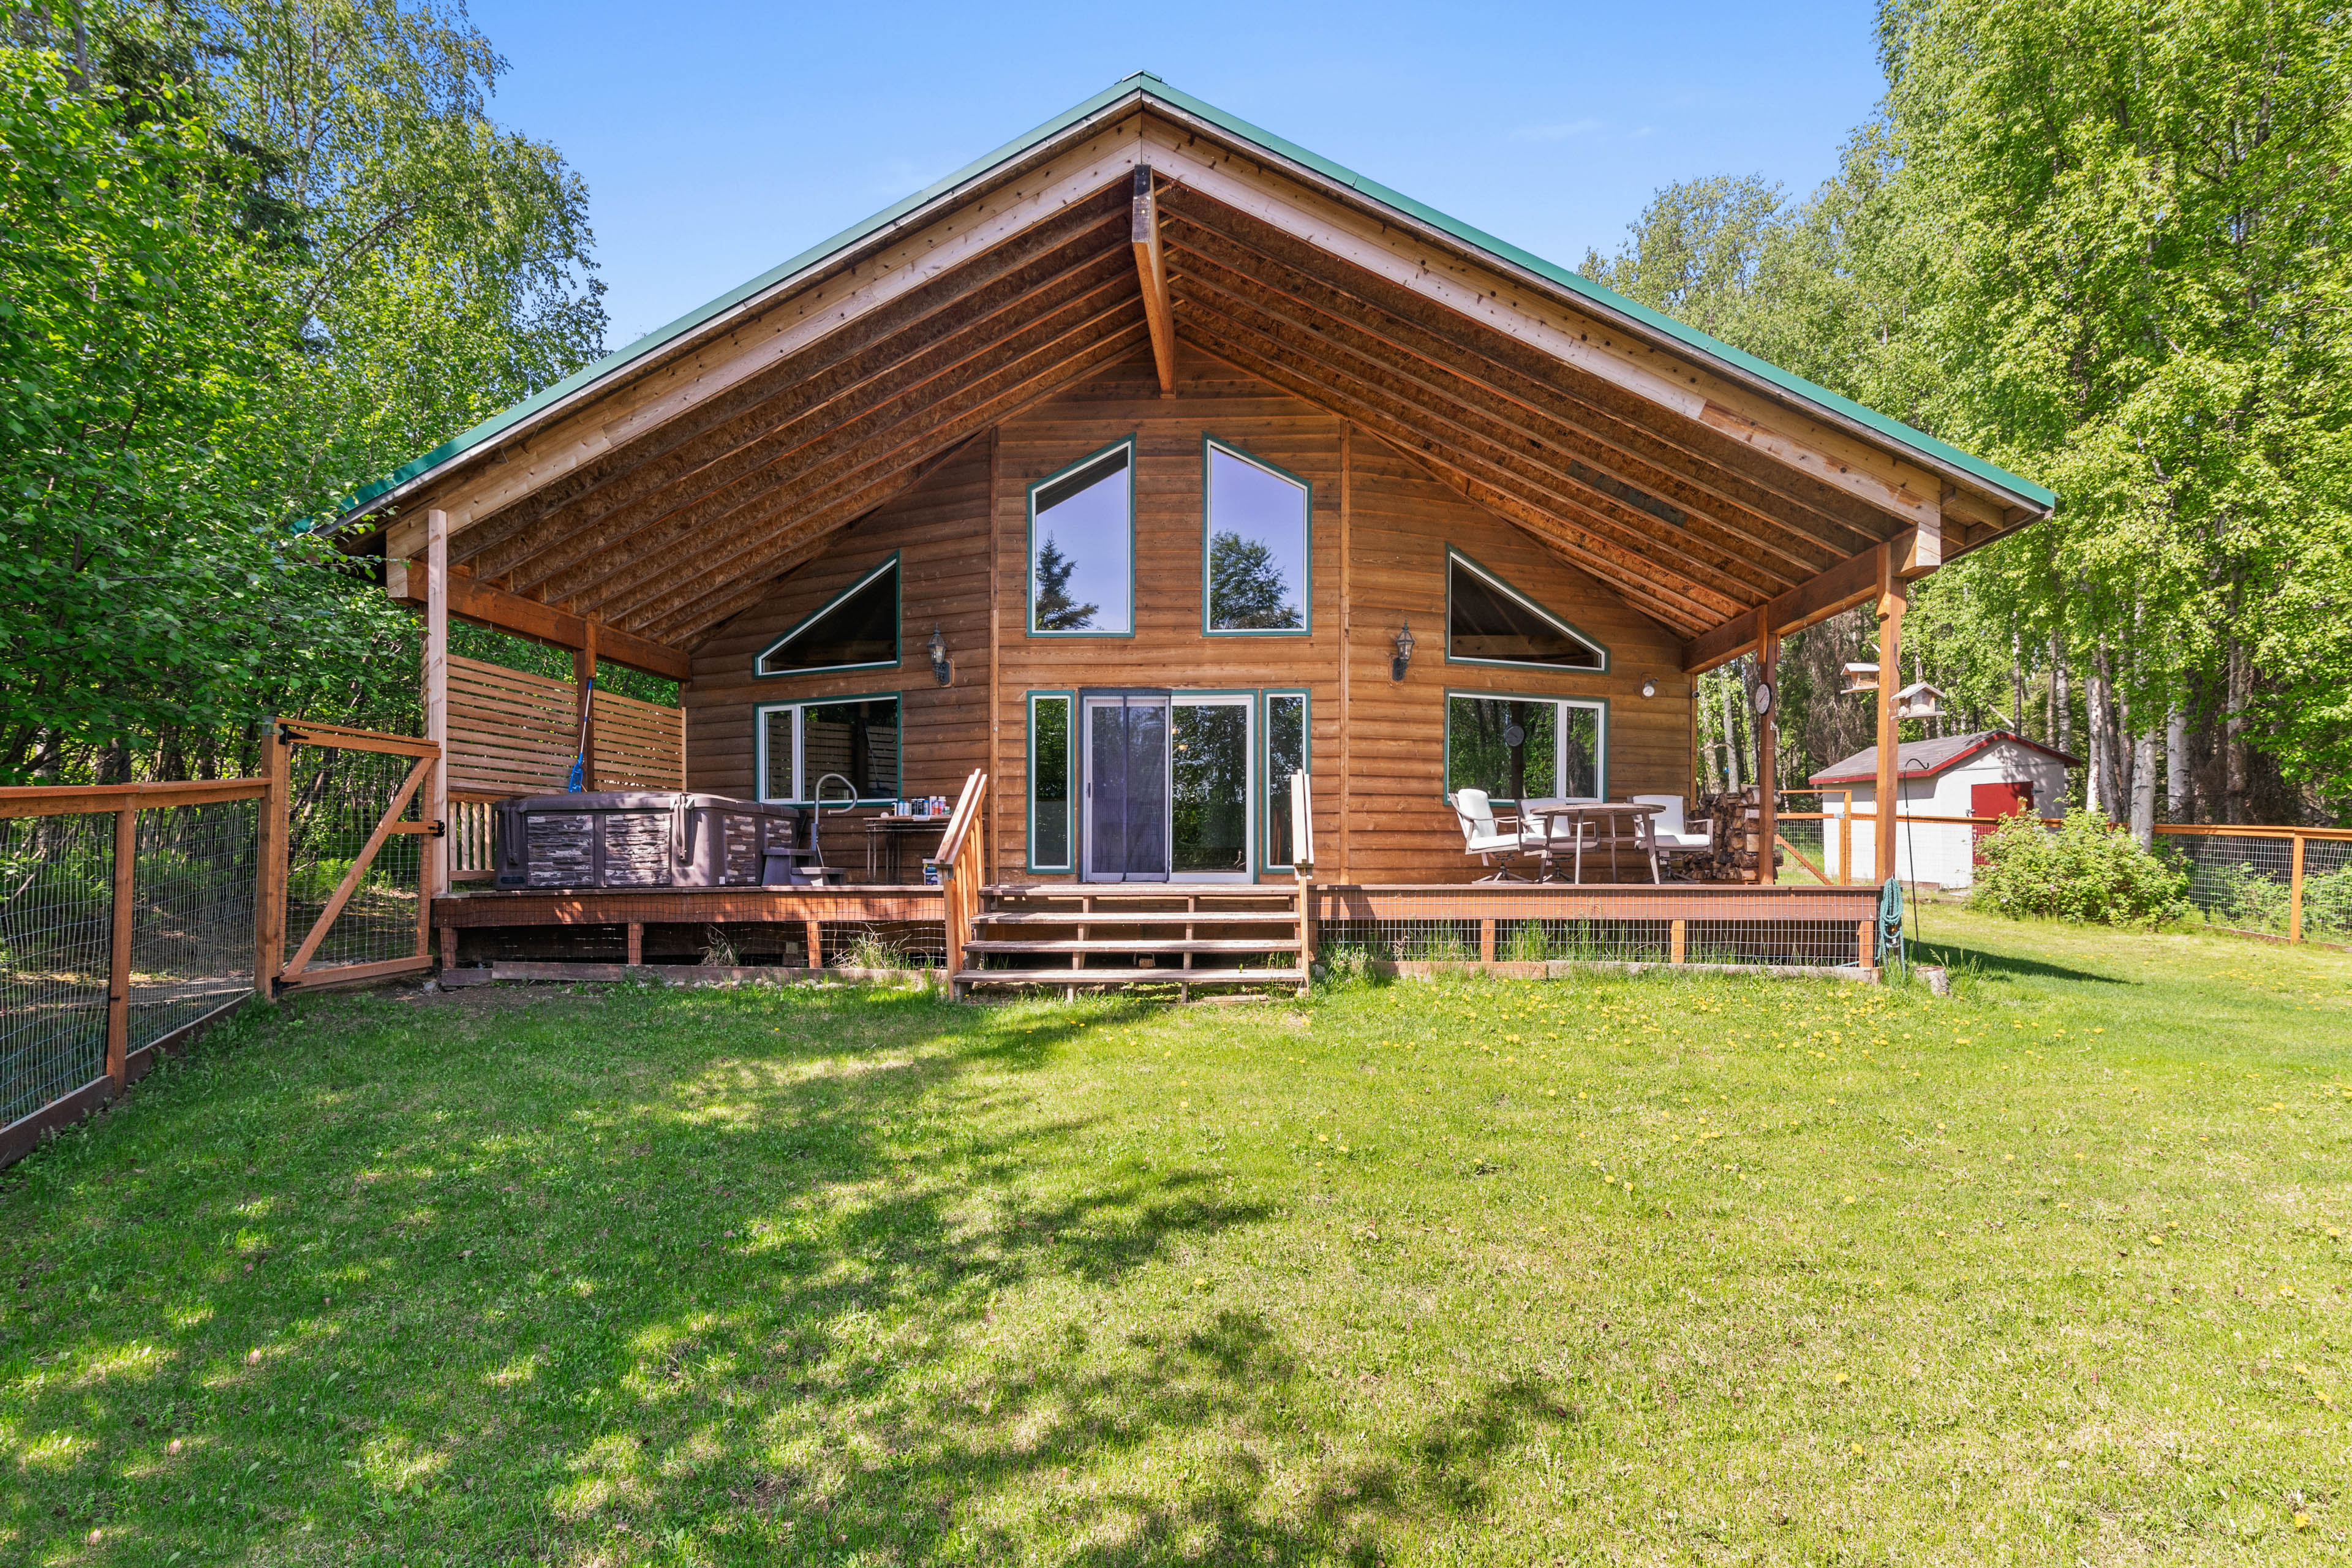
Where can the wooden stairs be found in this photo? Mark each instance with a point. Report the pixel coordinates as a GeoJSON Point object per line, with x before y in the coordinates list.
{"type": "Point", "coordinates": [1125, 934]}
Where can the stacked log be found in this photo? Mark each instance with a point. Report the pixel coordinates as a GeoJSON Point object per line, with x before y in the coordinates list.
{"type": "Point", "coordinates": [1737, 821]}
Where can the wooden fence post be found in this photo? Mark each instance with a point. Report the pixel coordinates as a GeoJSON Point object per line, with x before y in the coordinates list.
{"type": "Point", "coordinates": [2295, 893]}
{"type": "Point", "coordinates": [1677, 941]}
{"type": "Point", "coordinates": [269, 870]}
{"type": "Point", "coordinates": [118, 964]}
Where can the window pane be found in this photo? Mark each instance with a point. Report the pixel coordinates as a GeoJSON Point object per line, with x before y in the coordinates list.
{"type": "Point", "coordinates": [1580, 728]}
{"type": "Point", "coordinates": [1510, 749]}
{"type": "Point", "coordinates": [1258, 547]}
{"type": "Point", "coordinates": [862, 629]}
{"type": "Point", "coordinates": [859, 740]}
{"type": "Point", "coordinates": [1285, 754]}
{"type": "Point", "coordinates": [1049, 783]}
{"type": "Point", "coordinates": [1082, 546]}
{"type": "Point", "coordinates": [1211, 771]}
{"type": "Point", "coordinates": [1483, 622]}
{"type": "Point", "coordinates": [776, 766]}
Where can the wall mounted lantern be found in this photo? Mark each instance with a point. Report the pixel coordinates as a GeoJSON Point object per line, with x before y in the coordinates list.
{"type": "Point", "coordinates": [1403, 653]}
{"type": "Point", "coordinates": [1649, 688]}
{"type": "Point", "coordinates": [941, 670]}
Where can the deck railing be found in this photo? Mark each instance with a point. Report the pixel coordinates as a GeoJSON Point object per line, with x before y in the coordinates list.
{"type": "Point", "coordinates": [962, 862]}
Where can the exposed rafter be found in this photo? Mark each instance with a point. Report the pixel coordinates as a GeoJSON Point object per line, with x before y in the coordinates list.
{"type": "Point", "coordinates": [1152, 269]}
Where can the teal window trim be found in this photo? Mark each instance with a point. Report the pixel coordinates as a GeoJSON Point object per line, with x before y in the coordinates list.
{"type": "Point", "coordinates": [760, 712]}
{"type": "Point", "coordinates": [1029, 542]}
{"type": "Point", "coordinates": [1266, 758]}
{"type": "Point", "coordinates": [898, 627]}
{"type": "Point", "coordinates": [1069, 782]}
{"type": "Point", "coordinates": [1501, 585]}
{"type": "Point", "coordinates": [1306, 566]}
{"type": "Point", "coordinates": [1598, 704]}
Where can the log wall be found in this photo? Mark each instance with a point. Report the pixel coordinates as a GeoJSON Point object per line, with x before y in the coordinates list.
{"type": "Point", "coordinates": [1380, 776]}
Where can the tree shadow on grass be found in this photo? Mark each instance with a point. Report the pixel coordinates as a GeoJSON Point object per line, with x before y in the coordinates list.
{"type": "Point", "coordinates": [1985, 961]}
{"type": "Point", "coordinates": [641, 1275]}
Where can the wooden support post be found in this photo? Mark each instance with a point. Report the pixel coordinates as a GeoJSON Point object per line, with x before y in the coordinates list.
{"type": "Point", "coordinates": [1677, 941]}
{"type": "Point", "coordinates": [1486, 939]}
{"type": "Point", "coordinates": [1846, 841]}
{"type": "Point", "coordinates": [435, 875]}
{"type": "Point", "coordinates": [1893, 596]}
{"type": "Point", "coordinates": [118, 962]}
{"type": "Point", "coordinates": [583, 683]}
{"type": "Point", "coordinates": [2295, 893]}
{"type": "Point", "coordinates": [270, 868]}
{"type": "Point", "coordinates": [1865, 945]}
{"type": "Point", "coordinates": [448, 948]}
{"type": "Point", "coordinates": [815, 934]}
{"type": "Point", "coordinates": [636, 944]}
{"type": "Point", "coordinates": [1347, 657]}
{"type": "Point", "coordinates": [1151, 266]}
{"type": "Point", "coordinates": [1768, 749]}
{"type": "Point", "coordinates": [995, 645]}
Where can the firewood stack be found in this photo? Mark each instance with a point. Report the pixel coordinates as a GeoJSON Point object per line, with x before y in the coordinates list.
{"type": "Point", "coordinates": [1737, 822]}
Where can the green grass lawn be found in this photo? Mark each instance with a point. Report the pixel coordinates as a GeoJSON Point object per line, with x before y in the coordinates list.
{"type": "Point", "coordinates": [1654, 1271]}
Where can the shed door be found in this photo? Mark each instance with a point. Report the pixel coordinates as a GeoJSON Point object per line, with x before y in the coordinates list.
{"type": "Point", "coordinates": [1996, 800]}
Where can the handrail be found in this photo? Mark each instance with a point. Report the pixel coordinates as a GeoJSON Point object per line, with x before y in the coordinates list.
{"type": "Point", "coordinates": [962, 860]}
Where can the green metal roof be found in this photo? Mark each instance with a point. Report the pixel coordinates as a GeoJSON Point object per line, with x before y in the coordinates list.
{"type": "Point", "coordinates": [1144, 84]}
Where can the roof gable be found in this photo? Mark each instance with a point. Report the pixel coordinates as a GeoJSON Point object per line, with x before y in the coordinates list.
{"type": "Point", "coordinates": [1693, 479]}
{"type": "Point", "coordinates": [1931, 759]}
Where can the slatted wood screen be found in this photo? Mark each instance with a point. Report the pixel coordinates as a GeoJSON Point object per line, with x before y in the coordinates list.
{"type": "Point", "coordinates": [512, 733]}
{"type": "Point", "coordinates": [639, 745]}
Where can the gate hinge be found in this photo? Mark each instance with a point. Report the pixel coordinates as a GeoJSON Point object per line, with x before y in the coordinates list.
{"type": "Point", "coordinates": [437, 828]}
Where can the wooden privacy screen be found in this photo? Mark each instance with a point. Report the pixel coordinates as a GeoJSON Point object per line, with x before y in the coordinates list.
{"type": "Point", "coordinates": [639, 745]}
{"type": "Point", "coordinates": [512, 733]}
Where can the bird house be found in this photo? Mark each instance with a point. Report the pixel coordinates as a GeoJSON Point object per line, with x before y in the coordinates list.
{"type": "Point", "coordinates": [1919, 700]}
{"type": "Point", "coordinates": [1860, 678]}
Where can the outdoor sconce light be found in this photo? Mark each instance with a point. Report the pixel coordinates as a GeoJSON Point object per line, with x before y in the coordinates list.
{"type": "Point", "coordinates": [941, 670]}
{"type": "Point", "coordinates": [1403, 652]}
{"type": "Point", "coordinates": [1649, 688]}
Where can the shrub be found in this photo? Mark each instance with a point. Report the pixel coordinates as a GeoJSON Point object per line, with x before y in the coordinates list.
{"type": "Point", "coordinates": [2087, 870]}
{"type": "Point", "coordinates": [2327, 904]}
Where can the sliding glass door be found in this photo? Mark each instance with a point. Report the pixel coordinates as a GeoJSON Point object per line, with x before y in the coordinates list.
{"type": "Point", "coordinates": [1167, 787]}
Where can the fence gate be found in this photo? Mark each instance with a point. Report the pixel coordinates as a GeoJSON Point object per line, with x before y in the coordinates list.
{"type": "Point", "coordinates": [342, 858]}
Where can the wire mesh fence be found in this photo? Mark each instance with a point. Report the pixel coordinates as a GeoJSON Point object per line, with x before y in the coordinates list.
{"type": "Point", "coordinates": [335, 798]}
{"type": "Point", "coordinates": [56, 922]}
{"type": "Point", "coordinates": [192, 914]}
{"type": "Point", "coordinates": [1807, 929]}
{"type": "Point", "coordinates": [2246, 882]}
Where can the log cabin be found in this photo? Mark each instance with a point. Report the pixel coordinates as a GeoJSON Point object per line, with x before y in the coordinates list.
{"type": "Point", "coordinates": [1197, 515]}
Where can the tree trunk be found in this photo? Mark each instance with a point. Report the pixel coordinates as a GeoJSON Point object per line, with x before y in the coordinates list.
{"type": "Point", "coordinates": [2062, 696]}
{"type": "Point", "coordinates": [2233, 730]}
{"type": "Point", "coordinates": [2176, 765]}
{"type": "Point", "coordinates": [2099, 735]}
{"type": "Point", "coordinates": [2143, 788]}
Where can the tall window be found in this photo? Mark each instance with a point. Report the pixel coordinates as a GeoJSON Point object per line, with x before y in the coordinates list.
{"type": "Point", "coordinates": [1285, 754]}
{"type": "Point", "coordinates": [1254, 567]}
{"type": "Point", "coordinates": [1082, 548]}
{"type": "Point", "coordinates": [800, 743]}
{"type": "Point", "coordinates": [1525, 748]}
{"type": "Point", "coordinates": [1487, 621]}
{"type": "Point", "coordinates": [858, 630]}
{"type": "Point", "coordinates": [1049, 781]}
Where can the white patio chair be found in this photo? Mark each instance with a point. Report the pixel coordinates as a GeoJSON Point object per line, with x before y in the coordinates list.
{"type": "Point", "coordinates": [1484, 836]}
{"type": "Point", "coordinates": [1673, 837]}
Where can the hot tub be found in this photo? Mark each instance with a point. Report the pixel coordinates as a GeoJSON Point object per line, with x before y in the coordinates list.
{"type": "Point", "coordinates": [638, 838]}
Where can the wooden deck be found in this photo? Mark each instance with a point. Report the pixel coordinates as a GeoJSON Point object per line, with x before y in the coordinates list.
{"type": "Point", "coordinates": [1506, 925]}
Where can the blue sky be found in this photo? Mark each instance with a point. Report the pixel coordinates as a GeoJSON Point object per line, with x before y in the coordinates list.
{"type": "Point", "coordinates": [720, 138]}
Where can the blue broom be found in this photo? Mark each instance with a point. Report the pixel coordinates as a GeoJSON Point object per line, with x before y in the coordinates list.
{"type": "Point", "coordinates": [578, 783]}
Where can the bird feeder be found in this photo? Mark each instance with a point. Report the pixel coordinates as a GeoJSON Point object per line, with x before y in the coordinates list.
{"type": "Point", "coordinates": [1919, 700]}
{"type": "Point", "coordinates": [1860, 678]}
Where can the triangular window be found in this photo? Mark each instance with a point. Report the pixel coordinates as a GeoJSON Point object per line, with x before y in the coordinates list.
{"type": "Point", "coordinates": [859, 630]}
{"type": "Point", "coordinates": [1487, 621]}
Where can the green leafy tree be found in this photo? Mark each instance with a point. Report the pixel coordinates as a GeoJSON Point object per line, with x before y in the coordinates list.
{"type": "Point", "coordinates": [1248, 589]}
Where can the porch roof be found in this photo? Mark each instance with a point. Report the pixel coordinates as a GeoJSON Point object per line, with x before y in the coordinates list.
{"type": "Point", "coordinates": [662, 489]}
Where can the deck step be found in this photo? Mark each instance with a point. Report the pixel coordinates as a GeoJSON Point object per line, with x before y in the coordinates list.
{"type": "Point", "coordinates": [1135, 917]}
{"type": "Point", "coordinates": [1130, 977]}
{"type": "Point", "coordinates": [1101, 944]}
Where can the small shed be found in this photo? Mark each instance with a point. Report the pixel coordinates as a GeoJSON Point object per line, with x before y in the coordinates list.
{"type": "Point", "coordinates": [1992, 773]}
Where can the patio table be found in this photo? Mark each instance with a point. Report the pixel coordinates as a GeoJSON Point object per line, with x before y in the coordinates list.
{"type": "Point", "coordinates": [1575, 815]}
